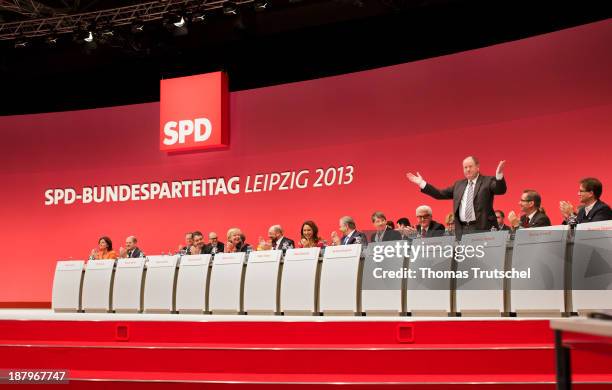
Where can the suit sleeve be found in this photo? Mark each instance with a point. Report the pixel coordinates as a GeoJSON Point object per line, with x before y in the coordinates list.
{"type": "Point", "coordinates": [446, 193]}
{"type": "Point", "coordinates": [498, 187]}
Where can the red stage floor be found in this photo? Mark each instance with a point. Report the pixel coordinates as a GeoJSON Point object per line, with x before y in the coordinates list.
{"type": "Point", "coordinates": [257, 351]}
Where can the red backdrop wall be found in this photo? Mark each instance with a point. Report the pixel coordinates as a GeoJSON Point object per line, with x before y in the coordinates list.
{"type": "Point", "coordinates": [544, 104]}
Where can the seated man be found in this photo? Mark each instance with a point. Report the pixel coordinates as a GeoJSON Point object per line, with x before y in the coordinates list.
{"type": "Point", "coordinates": [532, 213]}
{"type": "Point", "coordinates": [130, 250]}
{"type": "Point", "coordinates": [383, 231]}
{"type": "Point", "coordinates": [499, 215]}
{"type": "Point", "coordinates": [188, 243]}
{"type": "Point", "coordinates": [278, 240]}
{"type": "Point", "coordinates": [350, 234]}
{"type": "Point", "coordinates": [214, 246]}
{"type": "Point", "coordinates": [592, 210]}
{"type": "Point", "coordinates": [427, 227]}
{"type": "Point", "coordinates": [198, 244]}
{"type": "Point", "coordinates": [405, 228]}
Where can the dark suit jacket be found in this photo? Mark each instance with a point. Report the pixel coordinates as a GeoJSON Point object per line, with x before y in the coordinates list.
{"type": "Point", "coordinates": [484, 193]}
{"type": "Point", "coordinates": [599, 212]}
{"type": "Point", "coordinates": [504, 227]}
{"type": "Point", "coordinates": [285, 244]}
{"type": "Point", "coordinates": [136, 252]}
{"type": "Point", "coordinates": [353, 239]}
{"type": "Point", "coordinates": [435, 229]}
{"type": "Point", "coordinates": [208, 248]}
{"type": "Point", "coordinates": [539, 219]}
{"type": "Point", "coordinates": [388, 235]}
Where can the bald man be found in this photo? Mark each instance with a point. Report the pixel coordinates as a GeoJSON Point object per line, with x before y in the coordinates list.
{"type": "Point", "coordinates": [130, 250]}
{"type": "Point", "coordinates": [472, 197]}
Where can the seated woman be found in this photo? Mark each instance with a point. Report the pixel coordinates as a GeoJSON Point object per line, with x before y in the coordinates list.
{"type": "Point", "coordinates": [236, 241]}
{"type": "Point", "coordinates": [449, 222]}
{"type": "Point", "coordinates": [310, 236]}
{"type": "Point", "coordinates": [104, 251]}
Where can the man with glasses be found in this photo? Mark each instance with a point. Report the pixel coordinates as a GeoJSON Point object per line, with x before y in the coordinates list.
{"type": "Point", "coordinates": [532, 214]}
{"type": "Point", "coordinates": [426, 226]}
{"type": "Point", "coordinates": [214, 246]}
{"type": "Point", "coordinates": [592, 209]}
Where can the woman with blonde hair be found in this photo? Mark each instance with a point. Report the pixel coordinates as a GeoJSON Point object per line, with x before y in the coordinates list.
{"type": "Point", "coordinates": [236, 241]}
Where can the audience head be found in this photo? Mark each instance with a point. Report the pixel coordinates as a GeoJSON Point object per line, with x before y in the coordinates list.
{"type": "Point", "coordinates": [234, 235]}
{"type": "Point", "coordinates": [189, 239]}
{"type": "Point", "coordinates": [499, 215]}
{"type": "Point", "coordinates": [130, 242]}
{"type": "Point", "coordinates": [213, 238]}
{"type": "Point", "coordinates": [275, 232]}
{"type": "Point", "coordinates": [403, 222]}
{"type": "Point", "coordinates": [390, 225]}
{"type": "Point", "coordinates": [346, 224]}
{"type": "Point", "coordinates": [310, 231]}
{"type": "Point", "coordinates": [423, 215]}
{"type": "Point", "coordinates": [471, 167]}
{"type": "Point", "coordinates": [105, 244]}
{"type": "Point", "coordinates": [198, 239]}
{"type": "Point", "coordinates": [530, 201]}
{"type": "Point", "coordinates": [590, 190]}
{"type": "Point", "coordinates": [379, 221]}
{"type": "Point", "coordinates": [449, 221]}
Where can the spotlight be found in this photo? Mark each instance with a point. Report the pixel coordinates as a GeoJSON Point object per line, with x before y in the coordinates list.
{"type": "Point", "coordinates": [137, 26]}
{"type": "Point", "coordinates": [51, 40]}
{"type": "Point", "coordinates": [21, 44]}
{"type": "Point", "coordinates": [230, 8]}
{"type": "Point", "coordinates": [176, 24]}
{"type": "Point", "coordinates": [198, 17]}
{"type": "Point", "coordinates": [261, 5]}
{"type": "Point", "coordinates": [86, 35]}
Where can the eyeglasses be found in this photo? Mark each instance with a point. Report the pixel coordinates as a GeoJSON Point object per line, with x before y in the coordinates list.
{"type": "Point", "coordinates": [583, 191]}
{"type": "Point", "coordinates": [525, 200]}
{"type": "Point", "coordinates": [423, 216]}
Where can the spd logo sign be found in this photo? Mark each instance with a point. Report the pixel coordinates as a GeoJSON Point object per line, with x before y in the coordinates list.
{"type": "Point", "coordinates": [194, 112]}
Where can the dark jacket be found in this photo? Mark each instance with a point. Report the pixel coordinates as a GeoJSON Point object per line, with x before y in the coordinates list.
{"type": "Point", "coordinates": [484, 193]}
{"type": "Point", "coordinates": [599, 212]}
{"type": "Point", "coordinates": [435, 229]}
{"type": "Point", "coordinates": [134, 253]}
{"type": "Point", "coordinates": [539, 219]}
{"type": "Point", "coordinates": [285, 243]}
{"type": "Point", "coordinates": [208, 248]}
{"type": "Point", "coordinates": [388, 235]}
{"type": "Point", "coordinates": [356, 238]}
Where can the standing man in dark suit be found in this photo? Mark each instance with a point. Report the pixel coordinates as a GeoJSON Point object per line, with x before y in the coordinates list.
{"type": "Point", "coordinates": [426, 226]}
{"type": "Point", "coordinates": [383, 231]}
{"type": "Point", "coordinates": [499, 215]}
{"type": "Point", "coordinates": [592, 210]}
{"type": "Point", "coordinates": [472, 197]}
{"type": "Point", "coordinates": [350, 233]}
{"type": "Point", "coordinates": [532, 214]}
{"type": "Point", "coordinates": [214, 246]}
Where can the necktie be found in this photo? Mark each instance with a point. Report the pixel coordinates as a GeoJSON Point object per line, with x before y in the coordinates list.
{"type": "Point", "coordinates": [469, 207]}
{"type": "Point", "coordinates": [423, 232]}
{"type": "Point", "coordinates": [525, 223]}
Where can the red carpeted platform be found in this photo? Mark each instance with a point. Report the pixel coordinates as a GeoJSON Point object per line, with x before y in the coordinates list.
{"type": "Point", "coordinates": [292, 352]}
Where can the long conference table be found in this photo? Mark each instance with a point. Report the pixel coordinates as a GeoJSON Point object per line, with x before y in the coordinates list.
{"type": "Point", "coordinates": [302, 318]}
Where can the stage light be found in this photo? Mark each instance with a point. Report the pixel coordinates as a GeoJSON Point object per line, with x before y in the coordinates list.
{"type": "Point", "coordinates": [137, 26]}
{"type": "Point", "coordinates": [21, 44]}
{"type": "Point", "coordinates": [86, 35]}
{"type": "Point", "coordinates": [230, 8]}
{"type": "Point", "coordinates": [198, 17]}
{"type": "Point", "coordinates": [51, 40]}
{"type": "Point", "coordinates": [261, 5]}
{"type": "Point", "coordinates": [89, 38]}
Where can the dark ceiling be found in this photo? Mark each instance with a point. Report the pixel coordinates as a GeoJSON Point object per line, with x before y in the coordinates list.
{"type": "Point", "coordinates": [292, 40]}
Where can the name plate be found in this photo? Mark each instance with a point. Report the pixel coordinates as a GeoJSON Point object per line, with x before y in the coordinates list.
{"type": "Point", "coordinates": [70, 265]}
{"type": "Point", "coordinates": [272, 256]}
{"type": "Point", "coordinates": [343, 251]}
{"type": "Point", "coordinates": [191, 260]}
{"type": "Point", "coordinates": [100, 264]}
{"type": "Point", "coordinates": [162, 261]}
{"type": "Point", "coordinates": [230, 258]}
{"type": "Point", "coordinates": [131, 263]}
{"type": "Point", "coordinates": [302, 254]}
{"type": "Point", "coordinates": [487, 239]}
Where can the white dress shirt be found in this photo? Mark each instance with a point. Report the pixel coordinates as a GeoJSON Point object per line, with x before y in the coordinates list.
{"type": "Point", "coordinates": [462, 216]}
